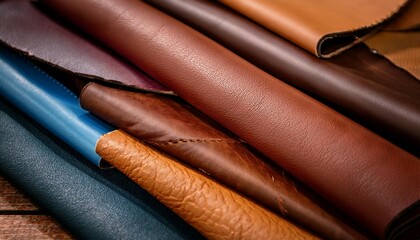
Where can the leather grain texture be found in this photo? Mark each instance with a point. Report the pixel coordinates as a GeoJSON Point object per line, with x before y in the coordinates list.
{"type": "Point", "coordinates": [50, 103]}
{"type": "Point", "coordinates": [324, 28]}
{"type": "Point", "coordinates": [91, 203]}
{"type": "Point", "coordinates": [364, 175]}
{"type": "Point", "coordinates": [358, 83]}
{"type": "Point", "coordinates": [25, 28]}
{"type": "Point", "coordinates": [212, 209]}
{"type": "Point", "coordinates": [177, 129]}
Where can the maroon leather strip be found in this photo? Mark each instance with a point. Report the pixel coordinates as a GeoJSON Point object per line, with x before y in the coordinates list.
{"type": "Point", "coordinates": [27, 29]}
{"type": "Point", "coordinates": [369, 178]}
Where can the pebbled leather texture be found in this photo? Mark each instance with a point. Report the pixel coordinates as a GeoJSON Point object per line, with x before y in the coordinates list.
{"type": "Point", "coordinates": [324, 28]}
{"type": "Point", "coordinates": [367, 177]}
{"type": "Point", "coordinates": [358, 83]}
{"type": "Point", "coordinates": [25, 28]}
{"type": "Point", "coordinates": [177, 129]}
{"type": "Point", "coordinates": [212, 209]}
{"type": "Point", "coordinates": [50, 103]}
{"type": "Point", "coordinates": [91, 203]}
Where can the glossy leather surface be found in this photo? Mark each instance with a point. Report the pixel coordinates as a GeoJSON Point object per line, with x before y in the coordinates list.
{"type": "Point", "coordinates": [324, 28]}
{"type": "Point", "coordinates": [25, 28]}
{"type": "Point", "coordinates": [364, 175]}
{"type": "Point", "coordinates": [359, 83]}
{"type": "Point", "coordinates": [50, 103]}
{"type": "Point", "coordinates": [91, 203]}
{"type": "Point", "coordinates": [215, 211]}
{"type": "Point", "coordinates": [179, 130]}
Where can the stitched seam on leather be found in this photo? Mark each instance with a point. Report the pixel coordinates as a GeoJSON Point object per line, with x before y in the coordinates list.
{"type": "Point", "coordinates": [48, 76]}
{"type": "Point", "coordinates": [181, 140]}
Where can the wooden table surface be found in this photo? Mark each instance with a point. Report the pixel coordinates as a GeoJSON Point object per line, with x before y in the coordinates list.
{"type": "Point", "coordinates": [21, 218]}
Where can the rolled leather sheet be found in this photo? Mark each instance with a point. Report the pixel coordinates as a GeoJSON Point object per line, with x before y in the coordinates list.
{"type": "Point", "coordinates": [370, 179]}
{"type": "Point", "coordinates": [50, 103]}
{"type": "Point", "coordinates": [324, 28]}
{"type": "Point", "coordinates": [215, 211]}
{"type": "Point", "coordinates": [25, 28]}
{"type": "Point", "coordinates": [177, 129]}
{"type": "Point", "coordinates": [89, 202]}
{"type": "Point", "coordinates": [359, 83]}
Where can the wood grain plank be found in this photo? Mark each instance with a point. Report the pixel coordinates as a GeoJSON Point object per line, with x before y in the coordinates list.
{"type": "Point", "coordinates": [12, 199]}
{"type": "Point", "coordinates": [20, 218]}
{"type": "Point", "coordinates": [30, 227]}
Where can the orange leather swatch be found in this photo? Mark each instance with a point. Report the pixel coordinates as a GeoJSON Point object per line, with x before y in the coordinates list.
{"type": "Point", "coordinates": [212, 209]}
{"type": "Point", "coordinates": [324, 27]}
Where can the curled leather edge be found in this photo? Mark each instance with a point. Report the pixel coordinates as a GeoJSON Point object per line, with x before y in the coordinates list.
{"type": "Point", "coordinates": [355, 36]}
{"type": "Point", "coordinates": [86, 77]}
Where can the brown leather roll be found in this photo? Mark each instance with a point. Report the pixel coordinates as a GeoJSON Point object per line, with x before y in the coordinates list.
{"type": "Point", "coordinates": [370, 179]}
{"type": "Point", "coordinates": [177, 129]}
{"type": "Point", "coordinates": [212, 209]}
{"type": "Point", "coordinates": [358, 83]}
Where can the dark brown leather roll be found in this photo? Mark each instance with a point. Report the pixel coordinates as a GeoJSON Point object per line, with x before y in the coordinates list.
{"type": "Point", "coordinates": [359, 83]}
{"type": "Point", "coordinates": [177, 129]}
{"type": "Point", "coordinates": [26, 29]}
{"type": "Point", "coordinates": [370, 179]}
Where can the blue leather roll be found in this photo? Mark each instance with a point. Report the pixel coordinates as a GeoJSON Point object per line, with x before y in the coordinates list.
{"type": "Point", "coordinates": [90, 202]}
{"type": "Point", "coordinates": [50, 103]}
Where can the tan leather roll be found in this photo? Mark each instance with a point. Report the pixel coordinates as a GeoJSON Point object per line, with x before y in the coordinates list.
{"type": "Point", "coordinates": [324, 27]}
{"type": "Point", "coordinates": [212, 209]}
